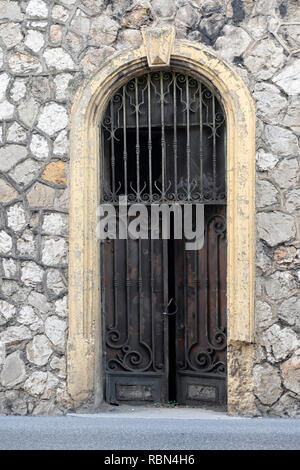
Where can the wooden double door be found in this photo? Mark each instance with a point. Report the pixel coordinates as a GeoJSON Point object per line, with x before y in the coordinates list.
{"type": "Point", "coordinates": [164, 311]}
{"type": "Point", "coordinates": [163, 306]}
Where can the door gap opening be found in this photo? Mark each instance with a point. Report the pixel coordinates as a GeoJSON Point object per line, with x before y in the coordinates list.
{"type": "Point", "coordinates": [172, 318]}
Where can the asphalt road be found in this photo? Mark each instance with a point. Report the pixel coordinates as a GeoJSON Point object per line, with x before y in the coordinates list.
{"type": "Point", "coordinates": [162, 431]}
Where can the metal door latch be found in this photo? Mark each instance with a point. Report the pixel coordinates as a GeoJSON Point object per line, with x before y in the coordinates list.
{"type": "Point", "coordinates": [166, 312]}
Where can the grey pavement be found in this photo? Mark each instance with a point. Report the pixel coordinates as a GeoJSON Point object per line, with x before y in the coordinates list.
{"type": "Point", "coordinates": [134, 428]}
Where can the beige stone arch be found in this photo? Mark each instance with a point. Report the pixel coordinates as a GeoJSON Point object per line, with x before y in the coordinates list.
{"type": "Point", "coordinates": [84, 339]}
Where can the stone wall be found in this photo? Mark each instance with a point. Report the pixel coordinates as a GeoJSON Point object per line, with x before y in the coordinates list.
{"type": "Point", "coordinates": [47, 49]}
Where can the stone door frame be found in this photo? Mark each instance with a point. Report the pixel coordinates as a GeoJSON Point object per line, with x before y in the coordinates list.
{"type": "Point", "coordinates": [84, 347]}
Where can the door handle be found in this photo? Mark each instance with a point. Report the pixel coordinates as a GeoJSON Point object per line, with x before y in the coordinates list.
{"type": "Point", "coordinates": [166, 309]}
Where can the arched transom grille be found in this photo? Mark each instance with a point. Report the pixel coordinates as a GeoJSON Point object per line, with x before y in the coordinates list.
{"type": "Point", "coordinates": [164, 141]}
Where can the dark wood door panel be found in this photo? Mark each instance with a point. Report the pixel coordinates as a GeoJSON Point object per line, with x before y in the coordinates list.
{"type": "Point", "coordinates": [201, 318]}
{"type": "Point", "coordinates": [133, 299]}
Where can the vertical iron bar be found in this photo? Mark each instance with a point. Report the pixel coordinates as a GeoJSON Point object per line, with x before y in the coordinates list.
{"type": "Point", "coordinates": [217, 283]}
{"type": "Point", "coordinates": [185, 307]}
{"type": "Point", "coordinates": [137, 147]}
{"type": "Point", "coordinates": [153, 320]}
{"type": "Point", "coordinates": [150, 198]}
{"type": "Point", "coordinates": [124, 141]}
{"type": "Point", "coordinates": [175, 133]}
{"type": "Point", "coordinates": [214, 145]}
{"type": "Point", "coordinates": [113, 191]}
{"type": "Point", "coordinates": [140, 288]}
{"type": "Point", "coordinates": [225, 165]}
{"type": "Point", "coordinates": [196, 284]}
{"type": "Point", "coordinates": [206, 280]}
{"type": "Point", "coordinates": [201, 138]}
{"type": "Point", "coordinates": [128, 283]}
{"type": "Point", "coordinates": [199, 294]}
{"type": "Point", "coordinates": [188, 143]}
{"type": "Point", "coordinates": [115, 254]}
{"type": "Point", "coordinates": [166, 319]}
{"type": "Point", "coordinates": [163, 141]}
{"type": "Point", "coordinates": [126, 193]}
{"type": "Point", "coordinates": [102, 251]}
{"type": "Point", "coordinates": [102, 156]}
{"type": "Point", "coordinates": [149, 136]}
{"type": "Point", "coordinates": [113, 160]}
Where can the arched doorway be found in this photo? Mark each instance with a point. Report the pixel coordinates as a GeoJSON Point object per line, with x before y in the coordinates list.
{"type": "Point", "coordinates": [84, 360]}
{"type": "Point", "coordinates": [163, 299]}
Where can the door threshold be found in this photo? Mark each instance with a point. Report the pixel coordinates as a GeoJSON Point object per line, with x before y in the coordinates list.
{"type": "Point", "coordinates": [152, 412]}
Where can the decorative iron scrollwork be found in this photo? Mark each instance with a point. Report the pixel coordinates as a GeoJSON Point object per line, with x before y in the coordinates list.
{"type": "Point", "coordinates": [162, 104]}
{"type": "Point", "coordinates": [131, 360]}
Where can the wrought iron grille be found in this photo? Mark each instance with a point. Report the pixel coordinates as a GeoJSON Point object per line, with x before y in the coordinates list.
{"type": "Point", "coordinates": [164, 136]}
{"type": "Point", "coordinates": [163, 141]}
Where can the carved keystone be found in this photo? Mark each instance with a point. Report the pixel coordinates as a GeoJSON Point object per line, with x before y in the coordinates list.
{"type": "Point", "coordinates": [159, 44]}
